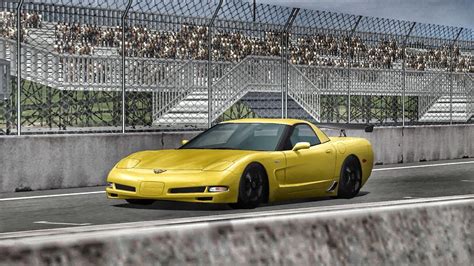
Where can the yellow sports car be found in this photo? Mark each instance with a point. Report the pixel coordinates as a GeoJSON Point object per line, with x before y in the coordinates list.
{"type": "Point", "coordinates": [244, 163]}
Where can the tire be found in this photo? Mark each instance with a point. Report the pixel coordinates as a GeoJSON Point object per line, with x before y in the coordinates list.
{"type": "Point", "coordinates": [350, 180]}
{"type": "Point", "coordinates": [253, 187]}
{"type": "Point", "coordinates": [140, 201]}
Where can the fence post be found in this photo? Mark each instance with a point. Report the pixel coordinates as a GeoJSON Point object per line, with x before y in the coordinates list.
{"type": "Point", "coordinates": [450, 97]}
{"type": "Point", "coordinates": [404, 74]}
{"type": "Point", "coordinates": [18, 67]}
{"type": "Point", "coordinates": [284, 100]}
{"type": "Point", "coordinates": [209, 64]}
{"type": "Point", "coordinates": [451, 76]}
{"type": "Point", "coordinates": [124, 16]}
{"type": "Point", "coordinates": [349, 61]}
{"type": "Point", "coordinates": [285, 40]}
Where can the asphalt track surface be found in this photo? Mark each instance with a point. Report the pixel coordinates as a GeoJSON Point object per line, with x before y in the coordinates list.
{"type": "Point", "coordinates": [64, 208]}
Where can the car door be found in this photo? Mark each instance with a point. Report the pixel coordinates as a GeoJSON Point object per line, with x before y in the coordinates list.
{"type": "Point", "coordinates": [308, 169]}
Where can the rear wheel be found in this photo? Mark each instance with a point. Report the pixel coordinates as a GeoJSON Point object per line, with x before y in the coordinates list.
{"type": "Point", "coordinates": [253, 187]}
{"type": "Point", "coordinates": [350, 180]}
{"type": "Point", "coordinates": [140, 201]}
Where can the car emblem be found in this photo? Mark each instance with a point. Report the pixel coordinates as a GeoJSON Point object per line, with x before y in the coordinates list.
{"type": "Point", "coordinates": [159, 171]}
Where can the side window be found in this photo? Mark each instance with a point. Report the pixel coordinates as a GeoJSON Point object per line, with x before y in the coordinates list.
{"type": "Point", "coordinates": [303, 133]}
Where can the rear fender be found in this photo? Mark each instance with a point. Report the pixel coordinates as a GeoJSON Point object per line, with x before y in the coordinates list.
{"type": "Point", "coordinates": [358, 147]}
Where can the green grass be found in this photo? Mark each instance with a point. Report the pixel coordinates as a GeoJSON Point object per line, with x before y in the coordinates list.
{"type": "Point", "coordinates": [44, 106]}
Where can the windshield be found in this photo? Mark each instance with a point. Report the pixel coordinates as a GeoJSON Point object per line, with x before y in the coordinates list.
{"type": "Point", "coordinates": [239, 136]}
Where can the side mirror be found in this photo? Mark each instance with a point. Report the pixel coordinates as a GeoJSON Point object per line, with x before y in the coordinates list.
{"type": "Point", "coordinates": [369, 128]}
{"type": "Point", "coordinates": [301, 146]}
{"type": "Point", "coordinates": [184, 141]}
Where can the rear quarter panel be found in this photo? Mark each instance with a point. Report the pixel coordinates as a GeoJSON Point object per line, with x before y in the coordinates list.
{"type": "Point", "coordinates": [359, 147]}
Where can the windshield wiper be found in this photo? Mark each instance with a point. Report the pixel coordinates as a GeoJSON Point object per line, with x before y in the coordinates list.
{"type": "Point", "coordinates": [224, 148]}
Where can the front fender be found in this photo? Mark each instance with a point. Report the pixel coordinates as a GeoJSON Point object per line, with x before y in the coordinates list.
{"type": "Point", "coordinates": [274, 164]}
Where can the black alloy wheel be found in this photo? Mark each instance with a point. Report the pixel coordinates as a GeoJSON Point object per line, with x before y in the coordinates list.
{"type": "Point", "coordinates": [351, 179]}
{"type": "Point", "coordinates": [253, 187]}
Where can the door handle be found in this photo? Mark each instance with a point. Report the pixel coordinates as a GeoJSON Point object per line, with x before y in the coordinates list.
{"type": "Point", "coordinates": [328, 151]}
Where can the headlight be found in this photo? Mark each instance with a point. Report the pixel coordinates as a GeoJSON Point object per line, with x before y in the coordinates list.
{"type": "Point", "coordinates": [128, 163]}
{"type": "Point", "coordinates": [219, 166]}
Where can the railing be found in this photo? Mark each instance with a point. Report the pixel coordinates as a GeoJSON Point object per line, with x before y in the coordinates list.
{"type": "Point", "coordinates": [172, 80]}
{"type": "Point", "coordinates": [177, 85]}
{"type": "Point", "coordinates": [263, 74]}
{"type": "Point", "coordinates": [232, 86]}
{"type": "Point", "coordinates": [304, 92]}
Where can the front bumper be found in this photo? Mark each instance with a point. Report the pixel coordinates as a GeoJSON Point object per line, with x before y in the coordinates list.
{"type": "Point", "coordinates": [145, 184]}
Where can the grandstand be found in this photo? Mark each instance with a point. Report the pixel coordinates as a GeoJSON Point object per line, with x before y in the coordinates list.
{"type": "Point", "coordinates": [262, 60]}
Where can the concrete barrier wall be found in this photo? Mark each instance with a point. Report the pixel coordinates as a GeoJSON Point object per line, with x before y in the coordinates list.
{"type": "Point", "coordinates": [416, 144]}
{"type": "Point", "coordinates": [62, 161]}
{"type": "Point", "coordinates": [413, 235]}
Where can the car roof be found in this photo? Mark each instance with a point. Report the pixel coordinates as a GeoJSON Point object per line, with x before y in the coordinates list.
{"type": "Point", "coordinates": [283, 121]}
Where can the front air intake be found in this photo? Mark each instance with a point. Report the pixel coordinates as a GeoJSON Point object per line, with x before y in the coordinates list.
{"type": "Point", "coordinates": [124, 187]}
{"type": "Point", "coordinates": [204, 198]}
{"type": "Point", "coordinates": [188, 190]}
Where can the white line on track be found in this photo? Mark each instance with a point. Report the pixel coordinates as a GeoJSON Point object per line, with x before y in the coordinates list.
{"type": "Point", "coordinates": [61, 223]}
{"type": "Point", "coordinates": [420, 166]}
{"type": "Point", "coordinates": [54, 195]}
{"type": "Point", "coordinates": [472, 181]}
{"type": "Point", "coordinates": [99, 192]}
{"type": "Point", "coordinates": [321, 211]}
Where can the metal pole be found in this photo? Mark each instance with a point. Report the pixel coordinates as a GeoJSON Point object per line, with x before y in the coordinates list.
{"type": "Point", "coordinates": [18, 67]}
{"type": "Point", "coordinates": [403, 88]}
{"type": "Point", "coordinates": [254, 10]}
{"type": "Point", "coordinates": [349, 60]}
{"type": "Point", "coordinates": [282, 73]}
{"type": "Point", "coordinates": [209, 78]}
{"type": "Point", "coordinates": [209, 62]}
{"type": "Point", "coordinates": [348, 90]}
{"type": "Point", "coordinates": [451, 75]}
{"type": "Point", "coordinates": [285, 77]}
{"type": "Point", "coordinates": [284, 61]}
{"type": "Point", "coordinates": [451, 98]}
{"type": "Point", "coordinates": [124, 16]}
{"type": "Point", "coordinates": [404, 72]}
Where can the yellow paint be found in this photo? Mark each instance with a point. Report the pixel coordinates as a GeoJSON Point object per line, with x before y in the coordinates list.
{"type": "Point", "coordinates": [291, 174]}
{"type": "Point", "coordinates": [151, 188]}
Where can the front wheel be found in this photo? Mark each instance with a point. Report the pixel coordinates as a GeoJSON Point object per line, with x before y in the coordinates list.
{"type": "Point", "coordinates": [350, 181]}
{"type": "Point", "coordinates": [140, 201]}
{"type": "Point", "coordinates": [253, 187]}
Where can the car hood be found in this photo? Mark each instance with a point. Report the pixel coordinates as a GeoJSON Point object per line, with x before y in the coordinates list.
{"type": "Point", "coordinates": [188, 159]}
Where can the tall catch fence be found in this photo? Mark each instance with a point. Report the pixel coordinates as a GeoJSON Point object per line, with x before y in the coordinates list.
{"type": "Point", "coordinates": [70, 66]}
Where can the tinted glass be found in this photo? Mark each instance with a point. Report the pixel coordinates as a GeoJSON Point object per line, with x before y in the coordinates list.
{"type": "Point", "coordinates": [303, 133]}
{"type": "Point", "coordinates": [239, 136]}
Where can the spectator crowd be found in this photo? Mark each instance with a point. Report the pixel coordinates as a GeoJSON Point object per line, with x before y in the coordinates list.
{"type": "Point", "coordinates": [8, 24]}
{"type": "Point", "coordinates": [190, 42]}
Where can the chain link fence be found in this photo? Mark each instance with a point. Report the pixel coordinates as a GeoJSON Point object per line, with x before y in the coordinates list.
{"type": "Point", "coordinates": [70, 66]}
